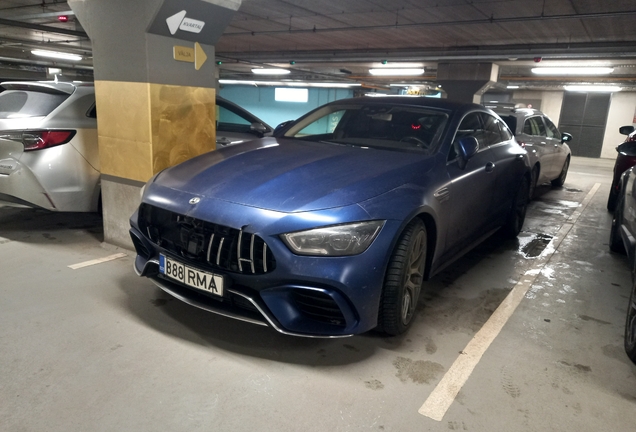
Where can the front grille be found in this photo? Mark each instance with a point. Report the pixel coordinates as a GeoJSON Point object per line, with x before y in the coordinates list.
{"type": "Point", "coordinates": [209, 245]}
{"type": "Point", "coordinates": [318, 306]}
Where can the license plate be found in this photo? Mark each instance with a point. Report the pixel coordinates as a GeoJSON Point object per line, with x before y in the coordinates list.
{"type": "Point", "coordinates": [191, 277]}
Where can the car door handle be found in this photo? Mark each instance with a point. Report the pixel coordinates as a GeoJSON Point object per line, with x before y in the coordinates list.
{"type": "Point", "coordinates": [490, 167]}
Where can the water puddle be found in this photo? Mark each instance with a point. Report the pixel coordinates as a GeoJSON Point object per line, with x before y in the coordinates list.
{"type": "Point", "coordinates": [532, 245]}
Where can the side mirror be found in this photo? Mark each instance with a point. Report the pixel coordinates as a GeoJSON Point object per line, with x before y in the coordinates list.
{"type": "Point", "coordinates": [626, 130]}
{"type": "Point", "coordinates": [278, 129]}
{"type": "Point", "coordinates": [466, 148]}
{"type": "Point", "coordinates": [259, 128]}
{"type": "Point", "coordinates": [627, 148]}
{"type": "Point", "coordinates": [566, 137]}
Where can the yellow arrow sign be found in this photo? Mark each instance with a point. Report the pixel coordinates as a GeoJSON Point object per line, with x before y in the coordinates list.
{"type": "Point", "coordinates": [199, 56]}
{"type": "Point", "coordinates": [190, 55]}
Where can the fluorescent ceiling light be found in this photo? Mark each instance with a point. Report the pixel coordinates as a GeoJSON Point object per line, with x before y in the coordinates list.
{"type": "Point", "coordinates": [288, 83]}
{"type": "Point", "coordinates": [270, 71]}
{"type": "Point", "coordinates": [397, 71]}
{"type": "Point", "coordinates": [286, 94]}
{"type": "Point", "coordinates": [592, 88]}
{"type": "Point", "coordinates": [513, 87]}
{"type": "Point", "coordinates": [572, 70]}
{"type": "Point", "coordinates": [57, 55]}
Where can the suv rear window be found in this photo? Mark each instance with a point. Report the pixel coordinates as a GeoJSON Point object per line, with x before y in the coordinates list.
{"type": "Point", "coordinates": [20, 103]}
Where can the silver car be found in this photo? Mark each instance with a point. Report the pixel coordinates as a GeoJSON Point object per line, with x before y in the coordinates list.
{"type": "Point", "coordinates": [48, 143]}
{"type": "Point", "coordinates": [546, 146]}
{"type": "Point", "coordinates": [48, 146]}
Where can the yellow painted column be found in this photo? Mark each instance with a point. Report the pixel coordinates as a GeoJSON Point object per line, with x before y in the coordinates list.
{"type": "Point", "coordinates": [145, 128]}
{"type": "Point", "coordinates": [155, 91]}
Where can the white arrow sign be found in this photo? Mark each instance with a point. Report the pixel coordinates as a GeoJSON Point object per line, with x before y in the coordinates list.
{"type": "Point", "coordinates": [179, 21]}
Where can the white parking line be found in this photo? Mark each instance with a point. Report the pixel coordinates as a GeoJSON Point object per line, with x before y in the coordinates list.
{"type": "Point", "coordinates": [447, 389]}
{"type": "Point", "coordinates": [97, 261]}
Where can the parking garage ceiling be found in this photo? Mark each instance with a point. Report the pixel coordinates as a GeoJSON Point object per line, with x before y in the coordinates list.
{"type": "Point", "coordinates": [339, 41]}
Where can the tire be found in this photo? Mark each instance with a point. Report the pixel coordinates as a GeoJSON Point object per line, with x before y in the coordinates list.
{"type": "Point", "coordinates": [403, 280]}
{"type": "Point", "coordinates": [611, 200]}
{"type": "Point", "coordinates": [533, 182]}
{"type": "Point", "coordinates": [616, 241]}
{"type": "Point", "coordinates": [560, 180]}
{"type": "Point", "coordinates": [517, 215]}
{"type": "Point", "coordinates": [630, 325]}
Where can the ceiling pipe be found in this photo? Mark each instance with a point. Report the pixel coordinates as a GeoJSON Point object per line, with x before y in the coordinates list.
{"type": "Point", "coordinates": [582, 51]}
{"type": "Point", "coordinates": [491, 20]}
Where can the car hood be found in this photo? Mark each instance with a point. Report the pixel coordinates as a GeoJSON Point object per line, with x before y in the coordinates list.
{"type": "Point", "coordinates": [293, 176]}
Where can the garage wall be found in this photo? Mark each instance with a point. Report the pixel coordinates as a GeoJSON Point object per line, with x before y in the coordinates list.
{"type": "Point", "coordinates": [621, 113]}
{"type": "Point", "coordinates": [260, 101]}
{"type": "Point", "coordinates": [551, 101]}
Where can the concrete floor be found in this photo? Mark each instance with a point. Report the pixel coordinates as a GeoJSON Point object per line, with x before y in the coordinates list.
{"type": "Point", "coordinates": [100, 349]}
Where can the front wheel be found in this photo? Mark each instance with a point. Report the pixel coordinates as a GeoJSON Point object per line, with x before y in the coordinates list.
{"type": "Point", "coordinates": [403, 280]}
{"type": "Point", "coordinates": [533, 182]}
{"type": "Point", "coordinates": [517, 215]}
{"type": "Point", "coordinates": [560, 180]}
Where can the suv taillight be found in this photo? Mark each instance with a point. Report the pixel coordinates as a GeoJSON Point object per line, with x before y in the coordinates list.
{"type": "Point", "coordinates": [39, 139]}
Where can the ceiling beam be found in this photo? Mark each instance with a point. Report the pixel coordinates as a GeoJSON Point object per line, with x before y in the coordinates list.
{"type": "Point", "coordinates": [43, 28]}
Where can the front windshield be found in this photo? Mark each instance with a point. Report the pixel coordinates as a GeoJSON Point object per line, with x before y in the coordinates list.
{"type": "Point", "coordinates": [381, 126]}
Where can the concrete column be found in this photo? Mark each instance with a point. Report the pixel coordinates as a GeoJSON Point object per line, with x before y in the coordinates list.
{"type": "Point", "coordinates": [155, 91]}
{"type": "Point", "coordinates": [467, 82]}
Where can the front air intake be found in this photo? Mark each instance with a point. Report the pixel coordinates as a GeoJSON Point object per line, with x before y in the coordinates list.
{"type": "Point", "coordinates": [209, 245]}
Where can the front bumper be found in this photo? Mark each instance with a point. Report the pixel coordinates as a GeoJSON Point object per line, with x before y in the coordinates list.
{"type": "Point", "coordinates": [301, 296]}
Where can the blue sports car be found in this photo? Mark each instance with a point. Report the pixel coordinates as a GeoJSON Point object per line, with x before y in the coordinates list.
{"type": "Point", "coordinates": [330, 228]}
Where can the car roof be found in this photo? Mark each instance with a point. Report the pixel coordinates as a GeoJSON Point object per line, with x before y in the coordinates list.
{"type": "Point", "coordinates": [413, 101]}
{"type": "Point", "coordinates": [519, 112]}
{"type": "Point", "coordinates": [55, 87]}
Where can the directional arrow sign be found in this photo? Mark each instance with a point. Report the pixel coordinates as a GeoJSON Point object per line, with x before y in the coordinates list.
{"type": "Point", "coordinates": [199, 56]}
{"type": "Point", "coordinates": [179, 21]}
{"type": "Point", "coordinates": [190, 55]}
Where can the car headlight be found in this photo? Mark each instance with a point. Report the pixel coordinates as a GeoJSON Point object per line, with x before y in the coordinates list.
{"type": "Point", "coordinates": [335, 240]}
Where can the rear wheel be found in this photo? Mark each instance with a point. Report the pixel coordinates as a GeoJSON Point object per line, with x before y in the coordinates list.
{"type": "Point", "coordinates": [560, 180]}
{"type": "Point", "coordinates": [630, 325]}
{"type": "Point", "coordinates": [616, 241]}
{"type": "Point", "coordinates": [403, 280]}
{"type": "Point", "coordinates": [517, 215]}
{"type": "Point", "coordinates": [613, 197]}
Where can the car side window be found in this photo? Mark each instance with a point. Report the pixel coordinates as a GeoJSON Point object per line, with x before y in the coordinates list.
{"type": "Point", "coordinates": [471, 125]}
{"type": "Point", "coordinates": [536, 125]}
{"type": "Point", "coordinates": [92, 112]}
{"type": "Point", "coordinates": [229, 121]}
{"type": "Point", "coordinates": [552, 130]}
{"type": "Point", "coordinates": [492, 130]}
{"type": "Point", "coordinates": [506, 134]}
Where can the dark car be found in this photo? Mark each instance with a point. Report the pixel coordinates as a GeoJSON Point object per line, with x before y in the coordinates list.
{"type": "Point", "coordinates": [625, 159]}
{"type": "Point", "coordinates": [546, 146]}
{"type": "Point", "coordinates": [330, 228]}
{"type": "Point", "coordinates": [235, 125]}
{"type": "Point", "coordinates": [623, 240]}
